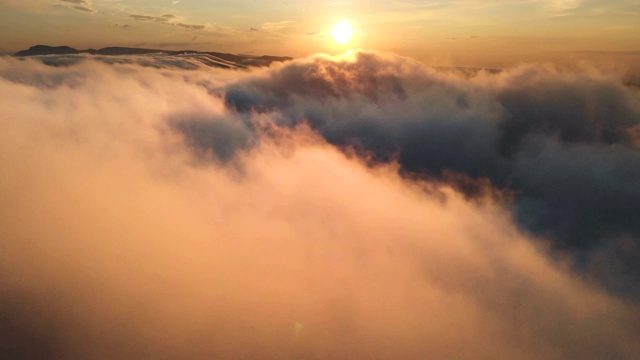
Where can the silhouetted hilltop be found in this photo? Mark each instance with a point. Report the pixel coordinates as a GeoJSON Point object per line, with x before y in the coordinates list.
{"type": "Point", "coordinates": [47, 50]}
{"type": "Point", "coordinates": [238, 60]}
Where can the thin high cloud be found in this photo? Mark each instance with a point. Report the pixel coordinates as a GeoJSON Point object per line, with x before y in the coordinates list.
{"type": "Point", "coordinates": [152, 213]}
{"type": "Point", "coordinates": [167, 19]}
{"type": "Point", "coordinates": [81, 6]}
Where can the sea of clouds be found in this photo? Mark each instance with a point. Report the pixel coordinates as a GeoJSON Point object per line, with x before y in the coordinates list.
{"type": "Point", "coordinates": [350, 207]}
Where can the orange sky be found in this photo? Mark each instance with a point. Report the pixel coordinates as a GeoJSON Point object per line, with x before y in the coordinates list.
{"type": "Point", "coordinates": [462, 32]}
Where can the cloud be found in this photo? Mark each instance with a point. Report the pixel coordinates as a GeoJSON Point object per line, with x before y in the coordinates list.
{"type": "Point", "coordinates": [167, 19]}
{"type": "Point", "coordinates": [535, 130]}
{"type": "Point", "coordinates": [563, 7]}
{"type": "Point", "coordinates": [85, 9]}
{"type": "Point", "coordinates": [158, 212]}
{"type": "Point", "coordinates": [276, 26]}
{"type": "Point", "coordinates": [160, 19]}
{"type": "Point", "coordinates": [81, 5]}
{"type": "Point", "coordinates": [191, 27]}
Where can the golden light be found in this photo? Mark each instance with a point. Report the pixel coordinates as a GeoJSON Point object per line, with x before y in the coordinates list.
{"type": "Point", "coordinates": [342, 33]}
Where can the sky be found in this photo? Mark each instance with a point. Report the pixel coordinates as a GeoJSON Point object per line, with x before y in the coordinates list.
{"type": "Point", "coordinates": [462, 32]}
{"type": "Point", "coordinates": [352, 202]}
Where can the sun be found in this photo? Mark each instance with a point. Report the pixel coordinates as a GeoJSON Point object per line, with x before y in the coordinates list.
{"type": "Point", "coordinates": [342, 33]}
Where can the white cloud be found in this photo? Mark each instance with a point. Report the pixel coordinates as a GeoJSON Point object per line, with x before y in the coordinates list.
{"type": "Point", "coordinates": [126, 242]}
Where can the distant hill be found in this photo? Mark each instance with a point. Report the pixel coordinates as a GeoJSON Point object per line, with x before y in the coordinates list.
{"type": "Point", "coordinates": [47, 50]}
{"type": "Point", "coordinates": [230, 60]}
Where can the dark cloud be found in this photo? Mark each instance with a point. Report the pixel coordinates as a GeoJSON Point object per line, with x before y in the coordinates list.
{"type": "Point", "coordinates": [219, 137]}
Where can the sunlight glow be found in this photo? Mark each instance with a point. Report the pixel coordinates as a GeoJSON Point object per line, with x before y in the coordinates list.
{"type": "Point", "coordinates": [342, 33]}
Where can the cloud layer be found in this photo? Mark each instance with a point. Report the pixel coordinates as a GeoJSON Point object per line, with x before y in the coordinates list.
{"type": "Point", "coordinates": [565, 143]}
{"type": "Point", "coordinates": [181, 214]}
